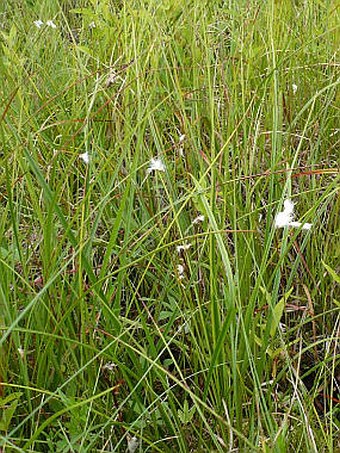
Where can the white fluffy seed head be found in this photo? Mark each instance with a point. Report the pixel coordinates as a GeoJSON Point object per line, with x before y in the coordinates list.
{"type": "Point", "coordinates": [85, 157]}
{"type": "Point", "coordinates": [133, 444]}
{"type": "Point", "coordinates": [38, 23]}
{"type": "Point", "coordinates": [156, 165]}
{"type": "Point", "coordinates": [180, 269]}
{"type": "Point", "coordinates": [181, 248]}
{"type": "Point", "coordinates": [285, 217]}
{"type": "Point", "coordinates": [198, 219]}
{"type": "Point", "coordinates": [51, 24]}
{"type": "Point", "coordinates": [288, 206]}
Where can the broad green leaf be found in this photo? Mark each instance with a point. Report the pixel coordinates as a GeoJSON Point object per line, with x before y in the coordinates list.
{"type": "Point", "coordinates": [8, 412]}
{"type": "Point", "coordinates": [9, 398]}
{"type": "Point", "coordinates": [277, 312]}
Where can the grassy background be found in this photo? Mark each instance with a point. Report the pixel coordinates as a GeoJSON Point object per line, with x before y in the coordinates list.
{"type": "Point", "coordinates": [104, 346]}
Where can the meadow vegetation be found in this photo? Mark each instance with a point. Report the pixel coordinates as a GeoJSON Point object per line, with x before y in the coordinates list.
{"type": "Point", "coordinates": [148, 303]}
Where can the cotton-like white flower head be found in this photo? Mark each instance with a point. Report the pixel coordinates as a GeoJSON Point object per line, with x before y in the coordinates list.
{"type": "Point", "coordinates": [133, 444]}
{"type": "Point", "coordinates": [285, 217]}
{"type": "Point", "coordinates": [156, 165]}
{"type": "Point", "coordinates": [180, 269]}
{"type": "Point", "coordinates": [294, 88]}
{"type": "Point", "coordinates": [304, 226]}
{"type": "Point", "coordinates": [288, 206]}
{"type": "Point", "coordinates": [51, 24]}
{"type": "Point", "coordinates": [92, 24]}
{"type": "Point", "coordinates": [109, 366]}
{"type": "Point", "coordinates": [111, 78]}
{"type": "Point", "coordinates": [181, 248]}
{"type": "Point", "coordinates": [38, 23]}
{"type": "Point", "coordinates": [85, 157]}
{"type": "Point", "coordinates": [181, 139]}
{"type": "Point", "coordinates": [198, 219]}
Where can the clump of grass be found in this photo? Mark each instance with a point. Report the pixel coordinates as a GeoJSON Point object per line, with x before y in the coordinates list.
{"type": "Point", "coordinates": [147, 300]}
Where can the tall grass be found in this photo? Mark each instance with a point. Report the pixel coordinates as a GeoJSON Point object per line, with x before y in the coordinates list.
{"type": "Point", "coordinates": [114, 337]}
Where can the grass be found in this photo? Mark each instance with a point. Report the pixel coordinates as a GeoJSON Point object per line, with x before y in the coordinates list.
{"type": "Point", "coordinates": [107, 344]}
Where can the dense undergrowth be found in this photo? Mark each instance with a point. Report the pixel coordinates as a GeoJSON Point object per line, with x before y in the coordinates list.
{"type": "Point", "coordinates": [151, 310]}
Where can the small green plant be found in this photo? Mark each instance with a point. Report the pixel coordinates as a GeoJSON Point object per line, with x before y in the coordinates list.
{"type": "Point", "coordinates": [185, 414]}
{"type": "Point", "coordinates": [8, 406]}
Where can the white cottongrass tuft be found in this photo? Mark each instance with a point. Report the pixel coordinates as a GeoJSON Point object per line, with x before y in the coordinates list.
{"type": "Point", "coordinates": [285, 217]}
{"type": "Point", "coordinates": [181, 139]}
{"type": "Point", "coordinates": [38, 23]}
{"type": "Point", "coordinates": [51, 24]}
{"type": "Point", "coordinates": [133, 444]}
{"type": "Point", "coordinates": [85, 157]}
{"type": "Point", "coordinates": [294, 88]}
{"type": "Point", "coordinates": [180, 269]}
{"type": "Point", "coordinates": [198, 219]}
{"type": "Point", "coordinates": [156, 165]}
{"type": "Point", "coordinates": [304, 226]}
{"type": "Point", "coordinates": [111, 366]}
{"type": "Point", "coordinates": [111, 78]}
{"type": "Point", "coordinates": [181, 248]}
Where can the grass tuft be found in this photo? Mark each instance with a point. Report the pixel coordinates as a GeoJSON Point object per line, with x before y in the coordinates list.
{"type": "Point", "coordinates": [147, 301]}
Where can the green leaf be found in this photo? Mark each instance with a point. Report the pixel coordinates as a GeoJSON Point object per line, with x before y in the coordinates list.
{"type": "Point", "coordinates": [9, 398]}
{"type": "Point", "coordinates": [85, 50]}
{"type": "Point", "coordinates": [186, 414]}
{"type": "Point", "coordinates": [83, 11]}
{"type": "Point", "coordinates": [8, 412]}
{"type": "Point", "coordinates": [277, 313]}
{"type": "Point", "coordinates": [332, 272]}
{"type": "Point", "coordinates": [6, 254]}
